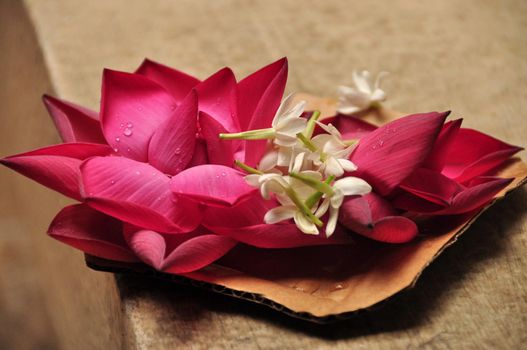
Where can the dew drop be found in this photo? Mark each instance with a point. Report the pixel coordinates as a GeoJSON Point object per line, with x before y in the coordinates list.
{"type": "Point", "coordinates": [129, 125]}
{"type": "Point", "coordinates": [178, 150]}
{"type": "Point", "coordinates": [112, 182]}
{"type": "Point", "coordinates": [117, 139]}
{"type": "Point", "coordinates": [121, 125]}
{"type": "Point", "coordinates": [128, 150]}
{"type": "Point", "coordinates": [128, 132]}
{"type": "Point", "coordinates": [138, 172]}
{"type": "Point", "coordinates": [115, 150]}
{"type": "Point", "coordinates": [338, 286]}
{"type": "Point", "coordinates": [223, 174]}
{"type": "Point", "coordinates": [217, 176]}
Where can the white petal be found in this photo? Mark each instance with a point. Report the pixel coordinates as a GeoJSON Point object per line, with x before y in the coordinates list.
{"type": "Point", "coordinates": [297, 164]}
{"type": "Point", "coordinates": [268, 161]}
{"type": "Point", "coordinates": [284, 107]}
{"type": "Point", "coordinates": [378, 96]}
{"type": "Point", "coordinates": [304, 224]}
{"type": "Point", "coordinates": [295, 112]}
{"type": "Point", "coordinates": [347, 165]}
{"type": "Point", "coordinates": [352, 186]}
{"type": "Point", "coordinates": [337, 199]}
{"type": "Point", "coordinates": [345, 90]}
{"type": "Point", "coordinates": [333, 167]}
{"type": "Point", "coordinates": [380, 76]}
{"type": "Point", "coordinates": [332, 221]}
{"type": "Point", "coordinates": [285, 140]}
{"type": "Point", "coordinates": [347, 108]}
{"type": "Point", "coordinates": [278, 214]}
{"type": "Point", "coordinates": [284, 156]}
{"type": "Point", "coordinates": [253, 179]}
{"type": "Point", "coordinates": [291, 126]}
{"type": "Point", "coordinates": [362, 82]}
{"type": "Point", "coordinates": [322, 208]}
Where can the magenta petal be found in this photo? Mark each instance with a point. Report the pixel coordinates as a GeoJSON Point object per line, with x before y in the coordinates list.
{"type": "Point", "coordinates": [92, 232]}
{"type": "Point", "coordinates": [199, 156]}
{"type": "Point", "coordinates": [364, 210]}
{"type": "Point", "coordinates": [473, 153]}
{"type": "Point", "coordinates": [172, 145]}
{"type": "Point", "coordinates": [136, 193]}
{"type": "Point", "coordinates": [392, 229]}
{"type": "Point", "coordinates": [218, 151]}
{"type": "Point", "coordinates": [211, 184]}
{"type": "Point", "coordinates": [197, 253]}
{"type": "Point", "coordinates": [217, 97]}
{"type": "Point", "coordinates": [278, 236]}
{"type": "Point", "coordinates": [475, 196]}
{"type": "Point", "coordinates": [431, 186]}
{"type": "Point", "coordinates": [74, 123]}
{"type": "Point", "coordinates": [349, 126]}
{"type": "Point", "coordinates": [438, 156]}
{"type": "Point", "coordinates": [175, 82]}
{"type": "Point", "coordinates": [132, 108]}
{"type": "Point", "coordinates": [149, 246]}
{"type": "Point", "coordinates": [267, 103]}
{"type": "Point", "coordinates": [252, 88]}
{"type": "Point", "coordinates": [386, 156]}
{"type": "Point", "coordinates": [56, 167]}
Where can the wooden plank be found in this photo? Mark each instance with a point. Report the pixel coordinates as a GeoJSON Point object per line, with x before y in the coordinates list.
{"type": "Point", "coordinates": [467, 56]}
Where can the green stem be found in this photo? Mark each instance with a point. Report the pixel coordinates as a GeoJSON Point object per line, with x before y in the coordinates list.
{"type": "Point", "coordinates": [302, 206]}
{"type": "Point", "coordinates": [315, 197]}
{"type": "Point", "coordinates": [307, 142]}
{"type": "Point", "coordinates": [311, 124]}
{"type": "Point", "coordinates": [320, 186]}
{"type": "Point", "coordinates": [257, 134]}
{"type": "Point", "coordinates": [247, 168]}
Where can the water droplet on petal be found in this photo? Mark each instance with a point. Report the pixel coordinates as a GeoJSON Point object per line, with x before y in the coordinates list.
{"type": "Point", "coordinates": [128, 132]}
{"type": "Point", "coordinates": [117, 139]}
{"type": "Point", "coordinates": [177, 151]}
{"type": "Point", "coordinates": [121, 125]}
{"type": "Point", "coordinates": [112, 182]}
{"type": "Point", "coordinates": [217, 176]}
{"type": "Point", "coordinates": [138, 172]}
{"type": "Point", "coordinates": [223, 174]}
{"type": "Point", "coordinates": [115, 150]}
{"type": "Point", "coordinates": [173, 107]}
{"type": "Point", "coordinates": [129, 125]}
{"type": "Point", "coordinates": [128, 150]}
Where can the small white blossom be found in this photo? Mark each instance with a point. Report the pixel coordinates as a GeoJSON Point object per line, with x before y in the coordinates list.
{"type": "Point", "coordinates": [363, 95]}
{"type": "Point", "coordinates": [288, 122]}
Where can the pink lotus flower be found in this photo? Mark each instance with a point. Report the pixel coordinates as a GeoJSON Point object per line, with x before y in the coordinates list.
{"type": "Point", "coordinates": [415, 165]}
{"type": "Point", "coordinates": [123, 163]}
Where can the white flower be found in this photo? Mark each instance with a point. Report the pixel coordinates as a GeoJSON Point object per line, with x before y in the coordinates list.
{"type": "Point", "coordinates": [288, 122]}
{"type": "Point", "coordinates": [348, 186]}
{"type": "Point", "coordinates": [332, 152]}
{"type": "Point", "coordinates": [363, 95]}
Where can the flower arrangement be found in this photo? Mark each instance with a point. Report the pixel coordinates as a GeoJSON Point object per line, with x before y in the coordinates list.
{"type": "Point", "coordinates": [175, 173]}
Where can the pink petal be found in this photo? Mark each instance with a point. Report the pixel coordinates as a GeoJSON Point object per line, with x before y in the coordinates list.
{"type": "Point", "coordinates": [473, 153]}
{"type": "Point", "coordinates": [199, 156]}
{"type": "Point", "coordinates": [246, 213]}
{"type": "Point", "coordinates": [211, 184]}
{"type": "Point", "coordinates": [175, 82]}
{"type": "Point", "coordinates": [217, 97]}
{"type": "Point", "coordinates": [149, 246]}
{"type": "Point", "coordinates": [253, 87]}
{"type": "Point", "coordinates": [475, 196]}
{"type": "Point", "coordinates": [132, 108]}
{"type": "Point", "coordinates": [386, 156]}
{"type": "Point", "coordinates": [266, 102]}
{"type": "Point", "coordinates": [197, 253]}
{"type": "Point", "coordinates": [391, 229]}
{"type": "Point", "coordinates": [74, 123]}
{"type": "Point", "coordinates": [92, 232]}
{"type": "Point", "coordinates": [364, 210]}
{"type": "Point", "coordinates": [439, 155]}
{"type": "Point", "coordinates": [172, 145]}
{"type": "Point", "coordinates": [56, 167]}
{"type": "Point", "coordinates": [219, 151]}
{"type": "Point", "coordinates": [137, 193]}
{"type": "Point", "coordinates": [349, 126]}
{"type": "Point", "coordinates": [431, 186]}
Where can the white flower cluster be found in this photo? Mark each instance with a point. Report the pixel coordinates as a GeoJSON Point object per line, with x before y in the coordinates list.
{"type": "Point", "coordinates": [363, 95]}
{"type": "Point", "coordinates": [304, 173]}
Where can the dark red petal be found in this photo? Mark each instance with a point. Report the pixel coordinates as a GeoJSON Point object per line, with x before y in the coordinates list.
{"type": "Point", "coordinates": [174, 81]}
{"type": "Point", "coordinates": [431, 186]}
{"type": "Point", "coordinates": [392, 229]}
{"type": "Point", "coordinates": [74, 123]}
{"type": "Point", "coordinates": [92, 232]}
{"type": "Point", "coordinates": [473, 153]}
{"type": "Point", "coordinates": [386, 156]}
{"type": "Point", "coordinates": [439, 155]}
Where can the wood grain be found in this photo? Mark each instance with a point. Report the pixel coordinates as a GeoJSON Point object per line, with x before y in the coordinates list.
{"type": "Point", "coordinates": [466, 56]}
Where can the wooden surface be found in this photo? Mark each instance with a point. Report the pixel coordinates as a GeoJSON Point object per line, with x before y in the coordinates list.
{"type": "Point", "coordinates": [467, 56]}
